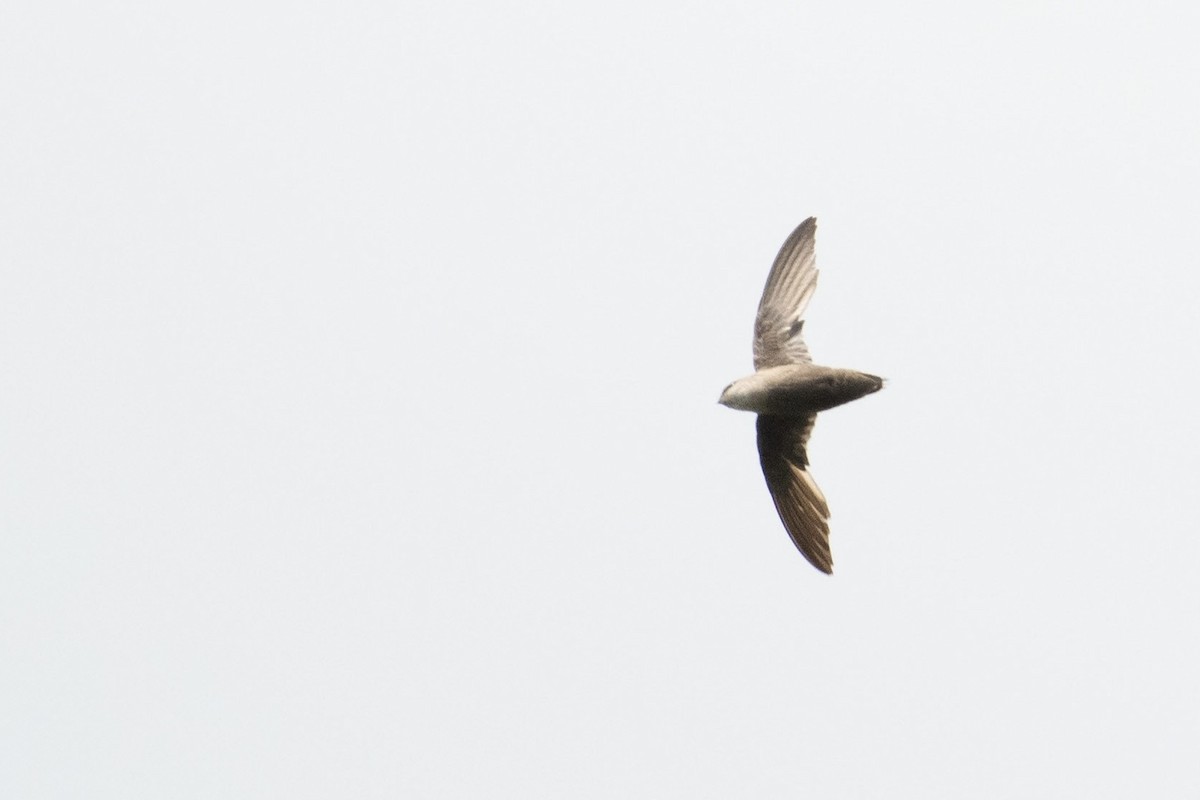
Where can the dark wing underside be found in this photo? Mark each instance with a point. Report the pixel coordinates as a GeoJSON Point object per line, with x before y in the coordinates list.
{"type": "Point", "coordinates": [778, 327]}
{"type": "Point", "coordinates": [800, 504]}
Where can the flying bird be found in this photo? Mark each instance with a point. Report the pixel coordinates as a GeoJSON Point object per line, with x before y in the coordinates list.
{"type": "Point", "coordinates": [787, 390]}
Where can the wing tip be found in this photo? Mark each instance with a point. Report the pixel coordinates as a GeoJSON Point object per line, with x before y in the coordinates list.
{"type": "Point", "coordinates": [822, 564]}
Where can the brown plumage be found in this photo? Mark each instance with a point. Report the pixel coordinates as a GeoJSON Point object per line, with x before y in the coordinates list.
{"type": "Point", "coordinates": [787, 390]}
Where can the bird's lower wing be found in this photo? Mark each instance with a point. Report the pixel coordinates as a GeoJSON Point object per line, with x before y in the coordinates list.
{"type": "Point", "coordinates": [801, 506]}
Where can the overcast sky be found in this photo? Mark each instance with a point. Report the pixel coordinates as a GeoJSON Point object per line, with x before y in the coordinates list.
{"type": "Point", "coordinates": [358, 381]}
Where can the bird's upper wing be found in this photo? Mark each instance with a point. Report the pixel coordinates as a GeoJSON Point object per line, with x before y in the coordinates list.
{"type": "Point", "coordinates": [793, 279]}
{"type": "Point", "coordinates": [799, 502]}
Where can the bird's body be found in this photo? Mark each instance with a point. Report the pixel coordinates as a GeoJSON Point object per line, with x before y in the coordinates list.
{"type": "Point", "coordinates": [787, 390]}
{"type": "Point", "coordinates": [794, 389]}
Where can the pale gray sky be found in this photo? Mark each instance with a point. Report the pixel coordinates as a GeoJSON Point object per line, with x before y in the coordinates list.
{"type": "Point", "coordinates": [358, 416]}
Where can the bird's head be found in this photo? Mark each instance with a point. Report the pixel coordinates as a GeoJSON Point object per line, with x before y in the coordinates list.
{"type": "Point", "coordinates": [737, 395]}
